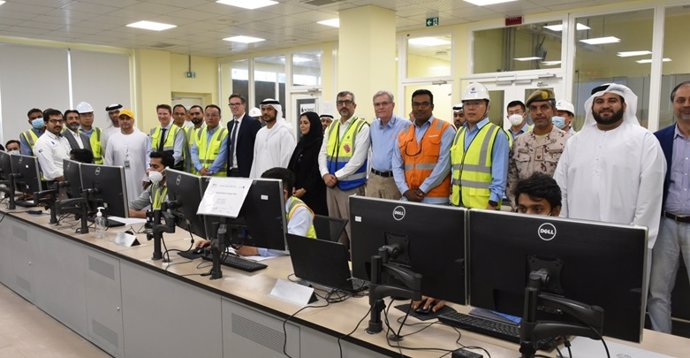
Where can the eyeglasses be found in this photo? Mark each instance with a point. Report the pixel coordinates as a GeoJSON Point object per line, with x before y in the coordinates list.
{"type": "Point", "coordinates": [345, 102]}
{"type": "Point", "coordinates": [56, 121]}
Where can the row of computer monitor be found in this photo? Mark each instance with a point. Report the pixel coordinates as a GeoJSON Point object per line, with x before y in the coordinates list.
{"type": "Point", "coordinates": [465, 256]}
{"type": "Point", "coordinates": [483, 258]}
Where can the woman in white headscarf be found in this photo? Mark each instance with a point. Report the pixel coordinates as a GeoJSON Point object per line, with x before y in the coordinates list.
{"type": "Point", "coordinates": [613, 169]}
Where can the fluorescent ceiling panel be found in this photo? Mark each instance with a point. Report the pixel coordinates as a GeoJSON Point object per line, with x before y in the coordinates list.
{"type": "Point", "coordinates": [248, 4]}
{"type": "Point", "coordinates": [151, 25]}
{"type": "Point", "coordinates": [244, 39]}
{"type": "Point", "coordinates": [649, 60]}
{"type": "Point", "coordinates": [633, 53]}
{"type": "Point", "coordinates": [525, 59]}
{"type": "Point", "coordinates": [428, 41]}
{"type": "Point", "coordinates": [330, 22]}
{"type": "Point", "coordinates": [559, 27]}
{"type": "Point", "coordinates": [601, 40]}
{"type": "Point", "coordinates": [550, 63]}
{"type": "Point", "coordinates": [487, 2]}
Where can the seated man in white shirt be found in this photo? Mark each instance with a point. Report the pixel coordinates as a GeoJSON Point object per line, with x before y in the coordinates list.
{"type": "Point", "coordinates": [52, 148]}
{"type": "Point", "coordinates": [299, 220]}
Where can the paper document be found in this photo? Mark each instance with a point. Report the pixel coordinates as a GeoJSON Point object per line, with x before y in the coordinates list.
{"type": "Point", "coordinates": [224, 197]}
{"type": "Point", "coordinates": [128, 221]}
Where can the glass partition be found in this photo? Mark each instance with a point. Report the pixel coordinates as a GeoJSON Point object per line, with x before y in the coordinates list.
{"type": "Point", "coordinates": [429, 56]}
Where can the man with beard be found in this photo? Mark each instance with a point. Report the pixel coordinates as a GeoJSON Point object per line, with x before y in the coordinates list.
{"type": "Point", "coordinates": [129, 149]}
{"type": "Point", "coordinates": [275, 142]}
{"type": "Point", "coordinates": [52, 148]}
{"type": "Point", "coordinates": [71, 132]}
{"type": "Point", "coordinates": [114, 126]}
{"type": "Point", "coordinates": [196, 121]}
{"type": "Point", "coordinates": [613, 169]}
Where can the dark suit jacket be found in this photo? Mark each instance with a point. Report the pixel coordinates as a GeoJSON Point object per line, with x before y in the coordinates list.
{"type": "Point", "coordinates": [73, 142]}
{"type": "Point", "coordinates": [246, 136]}
{"type": "Point", "coordinates": [665, 137]}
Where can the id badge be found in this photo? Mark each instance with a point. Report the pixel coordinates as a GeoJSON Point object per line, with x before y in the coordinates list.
{"type": "Point", "coordinates": [127, 163]}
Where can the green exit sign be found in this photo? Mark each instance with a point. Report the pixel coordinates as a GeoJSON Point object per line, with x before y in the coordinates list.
{"type": "Point", "coordinates": [431, 21]}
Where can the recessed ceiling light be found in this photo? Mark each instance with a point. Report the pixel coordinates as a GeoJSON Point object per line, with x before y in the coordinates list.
{"type": "Point", "coordinates": [330, 22]}
{"type": "Point", "coordinates": [633, 53]}
{"type": "Point", "coordinates": [244, 39]}
{"type": "Point", "coordinates": [487, 2]}
{"type": "Point", "coordinates": [550, 63]}
{"type": "Point", "coordinates": [649, 60]}
{"type": "Point", "coordinates": [525, 59]}
{"type": "Point", "coordinates": [601, 40]}
{"type": "Point", "coordinates": [150, 25]}
{"type": "Point", "coordinates": [248, 4]}
{"type": "Point", "coordinates": [1, 2]}
{"type": "Point", "coordinates": [428, 41]}
{"type": "Point", "coordinates": [559, 27]}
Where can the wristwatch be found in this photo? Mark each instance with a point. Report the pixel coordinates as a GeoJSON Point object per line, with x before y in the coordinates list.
{"type": "Point", "coordinates": [493, 203]}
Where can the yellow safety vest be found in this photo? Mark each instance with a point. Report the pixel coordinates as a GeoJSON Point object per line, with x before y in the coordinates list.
{"type": "Point", "coordinates": [209, 152]}
{"type": "Point", "coordinates": [95, 141]}
{"type": "Point", "coordinates": [160, 193]}
{"type": "Point", "coordinates": [339, 151]}
{"type": "Point", "coordinates": [30, 137]}
{"type": "Point", "coordinates": [295, 203]}
{"type": "Point", "coordinates": [189, 166]}
{"type": "Point", "coordinates": [471, 170]}
{"type": "Point", "coordinates": [168, 141]}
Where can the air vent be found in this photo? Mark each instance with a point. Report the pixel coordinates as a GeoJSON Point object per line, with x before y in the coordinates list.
{"type": "Point", "coordinates": [162, 45]}
{"type": "Point", "coordinates": [321, 2]}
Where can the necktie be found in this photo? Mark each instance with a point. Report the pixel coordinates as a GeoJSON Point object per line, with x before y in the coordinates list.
{"type": "Point", "coordinates": [233, 137]}
{"type": "Point", "coordinates": [161, 141]}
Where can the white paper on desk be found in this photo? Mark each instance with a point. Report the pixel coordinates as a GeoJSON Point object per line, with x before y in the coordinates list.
{"type": "Point", "coordinates": [586, 347]}
{"type": "Point", "coordinates": [127, 221]}
{"type": "Point", "coordinates": [224, 197]}
{"type": "Point", "coordinates": [292, 292]}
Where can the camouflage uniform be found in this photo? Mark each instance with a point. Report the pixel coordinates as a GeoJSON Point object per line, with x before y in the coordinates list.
{"type": "Point", "coordinates": [532, 153]}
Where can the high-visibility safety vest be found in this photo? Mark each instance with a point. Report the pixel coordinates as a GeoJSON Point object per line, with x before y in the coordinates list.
{"type": "Point", "coordinates": [339, 151]}
{"type": "Point", "coordinates": [168, 141]}
{"type": "Point", "coordinates": [95, 141]}
{"type": "Point", "coordinates": [295, 203]}
{"type": "Point", "coordinates": [160, 193]}
{"type": "Point", "coordinates": [189, 138]}
{"type": "Point", "coordinates": [208, 152]}
{"type": "Point", "coordinates": [471, 170]}
{"type": "Point", "coordinates": [420, 159]}
{"type": "Point", "coordinates": [30, 137]}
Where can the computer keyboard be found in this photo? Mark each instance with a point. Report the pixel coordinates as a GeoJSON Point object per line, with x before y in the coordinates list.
{"type": "Point", "coordinates": [236, 262]}
{"type": "Point", "coordinates": [505, 331]}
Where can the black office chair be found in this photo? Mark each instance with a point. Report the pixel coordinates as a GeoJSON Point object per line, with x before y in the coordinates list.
{"type": "Point", "coordinates": [328, 228]}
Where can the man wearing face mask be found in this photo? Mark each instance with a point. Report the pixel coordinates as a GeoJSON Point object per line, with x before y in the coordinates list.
{"type": "Point", "coordinates": [71, 132]}
{"type": "Point", "coordinates": [539, 149]}
{"type": "Point", "coordinates": [613, 170]}
{"type": "Point", "coordinates": [565, 115]}
{"type": "Point", "coordinates": [157, 192]}
{"type": "Point", "coordinates": [29, 137]}
{"type": "Point", "coordinates": [128, 149]}
{"type": "Point", "coordinates": [12, 146]}
{"type": "Point", "coordinates": [52, 148]}
{"type": "Point", "coordinates": [517, 117]}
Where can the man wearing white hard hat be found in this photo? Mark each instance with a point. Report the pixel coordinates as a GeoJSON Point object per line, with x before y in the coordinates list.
{"type": "Point", "coordinates": [477, 180]}
{"type": "Point", "coordinates": [565, 114]}
{"type": "Point", "coordinates": [613, 170]}
{"type": "Point", "coordinates": [95, 134]}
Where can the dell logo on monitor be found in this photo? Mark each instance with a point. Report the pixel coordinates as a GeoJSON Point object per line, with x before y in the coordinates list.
{"type": "Point", "coordinates": [98, 171]}
{"type": "Point", "coordinates": [178, 180]}
{"type": "Point", "coordinates": [399, 213]}
{"type": "Point", "coordinates": [546, 231]}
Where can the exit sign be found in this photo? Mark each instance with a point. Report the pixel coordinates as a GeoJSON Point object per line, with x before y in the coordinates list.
{"type": "Point", "coordinates": [431, 21]}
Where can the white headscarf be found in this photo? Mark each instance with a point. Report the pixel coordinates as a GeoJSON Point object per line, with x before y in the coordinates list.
{"type": "Point", "coordinates": [630, 101]}
{"type": "Point", "coordinates": [276, 105]}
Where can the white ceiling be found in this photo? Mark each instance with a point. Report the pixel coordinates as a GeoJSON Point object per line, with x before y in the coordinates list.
{"type": "Point", "coordinates": [202, 24]}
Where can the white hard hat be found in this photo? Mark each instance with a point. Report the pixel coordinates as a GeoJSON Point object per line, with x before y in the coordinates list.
{"type": "Point", "coordinates": [255, 112]}
{"type": "Point", "coordinates": [84, 107]}
{"type": "Point", "coordinates": [475, 91]}
{"type": "Point", "coordinates": [563, 105]}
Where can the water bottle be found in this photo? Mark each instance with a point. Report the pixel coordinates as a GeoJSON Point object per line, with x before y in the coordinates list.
{"type": "Point", "coordinates": [100, 223]}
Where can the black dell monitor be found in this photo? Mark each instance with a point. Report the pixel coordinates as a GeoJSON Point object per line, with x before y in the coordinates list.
{"type": "Point", "coordinates": [72, 171]}
{"type": "Point", "coordinates": [600, 264]}
{"type": "Point", "coordinates": [261, 221]}
{"type": "Point", "coordinates": [5, 165]}
{"type": "Point", "coordinates": [107, 186]}
{"type": "Point", "coordinates": [432, 238]}
{"type": "Point", "coordinates": [184, 196]}
{"type": "Point", "coordinates": [29, 178]}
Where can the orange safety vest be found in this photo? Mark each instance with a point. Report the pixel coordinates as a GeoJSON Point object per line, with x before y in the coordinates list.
{"type": "Point", "coordinates": [419, 159]}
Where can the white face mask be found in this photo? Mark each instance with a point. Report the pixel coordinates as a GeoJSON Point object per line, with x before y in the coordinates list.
{"type": "Point", "coordinates": [155, 177]}
{"type": "Point", "coordinates": [13, 152]}
{"type": "Point", "coordinates": [515, 119]}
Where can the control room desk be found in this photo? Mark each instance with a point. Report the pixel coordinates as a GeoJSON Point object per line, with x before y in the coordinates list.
{"type": "Point", "coordinates": [131, 306]}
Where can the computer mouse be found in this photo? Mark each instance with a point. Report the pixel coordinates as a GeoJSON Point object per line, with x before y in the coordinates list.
{"type": "Point", "coordinates": [422, 310]}
{"type": "Point", "coordinates": [198, 251]}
